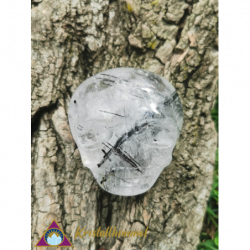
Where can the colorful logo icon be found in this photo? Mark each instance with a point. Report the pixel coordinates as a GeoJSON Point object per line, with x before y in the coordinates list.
{"type": "Point", "coordinates": [54, 237]}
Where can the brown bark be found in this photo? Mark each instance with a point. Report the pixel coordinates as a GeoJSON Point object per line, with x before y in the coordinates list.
{"type": "Point", "coordinates": [72, 40]}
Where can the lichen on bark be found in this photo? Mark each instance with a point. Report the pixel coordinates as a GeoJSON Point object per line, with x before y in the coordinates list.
{"type": "Point", "coordinates": [72, 40]}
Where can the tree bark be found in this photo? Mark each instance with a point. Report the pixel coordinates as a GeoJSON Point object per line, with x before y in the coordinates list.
{"type": "Point", "coordinates": [73, 40]}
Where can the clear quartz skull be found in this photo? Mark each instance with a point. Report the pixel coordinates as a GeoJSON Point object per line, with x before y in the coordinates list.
{"type": "Point", "coordinates": [126, 123]}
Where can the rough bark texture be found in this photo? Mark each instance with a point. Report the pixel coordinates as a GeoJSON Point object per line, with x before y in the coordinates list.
{"type": "Point", "coordinates": [74, 39]}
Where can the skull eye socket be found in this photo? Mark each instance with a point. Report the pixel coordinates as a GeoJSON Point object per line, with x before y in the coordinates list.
{"type": "Point", "coordinates": [91, 134]}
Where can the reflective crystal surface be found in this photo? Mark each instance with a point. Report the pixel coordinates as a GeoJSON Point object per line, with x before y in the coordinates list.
{"type": "Point", "coordinates": [125, 122]}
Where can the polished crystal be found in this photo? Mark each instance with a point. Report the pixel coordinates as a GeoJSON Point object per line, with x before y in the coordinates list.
{"type": "Point", "coordinates": [125, 122]}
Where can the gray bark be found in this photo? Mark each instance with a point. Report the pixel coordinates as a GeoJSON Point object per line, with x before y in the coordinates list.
{"type": "Point", "coordinates": [72, 40]}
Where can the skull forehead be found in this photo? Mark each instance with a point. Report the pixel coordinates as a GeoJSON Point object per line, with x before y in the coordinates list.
{"type": "Point", "coordinates": [128, 121]}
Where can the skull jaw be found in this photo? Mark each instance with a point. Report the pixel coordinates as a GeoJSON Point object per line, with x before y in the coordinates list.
{"type": "Point", "coordinates": [132, 190]}
{"type": "Point", "coordinates": [129, 186]}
